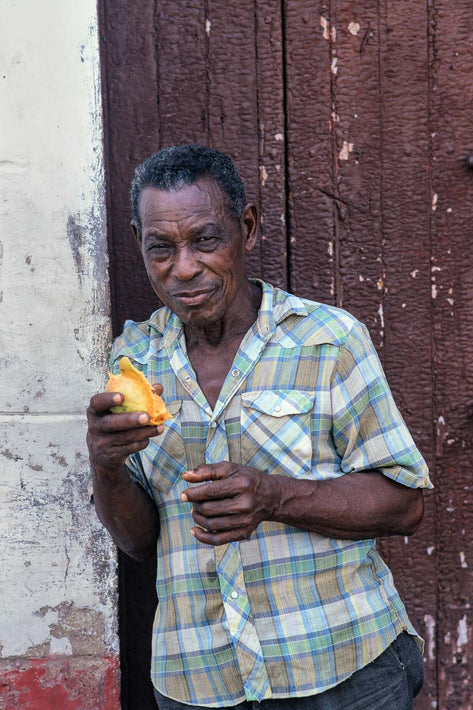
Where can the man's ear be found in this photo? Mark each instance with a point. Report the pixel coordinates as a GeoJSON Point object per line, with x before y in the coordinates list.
{"type": "Point", "coordinates": [136, 234]}
{"type": "Point", "coordinates": [250, 223]}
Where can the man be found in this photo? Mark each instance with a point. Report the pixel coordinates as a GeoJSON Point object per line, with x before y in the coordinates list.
{"type": "Point", "coordinates": [284, 460]}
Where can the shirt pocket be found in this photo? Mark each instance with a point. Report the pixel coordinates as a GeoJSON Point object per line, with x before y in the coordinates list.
{"type": "Point", "coordinates": [164, 458]}
{"type": "Point", "coordinates": [275, 431]}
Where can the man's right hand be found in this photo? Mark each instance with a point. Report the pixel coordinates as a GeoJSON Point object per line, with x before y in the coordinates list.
{"type": "Point", "coordinates": [113, 437]}
{"type": "Point", "coordinates": [123, 506]}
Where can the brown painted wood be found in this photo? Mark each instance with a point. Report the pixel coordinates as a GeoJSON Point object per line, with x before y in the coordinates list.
{"type": "Point", "coordinates": [312, 192]}
{"type": "Point", "coordinates": [451, 91]}
{"type": "Point", "coordinates": [129, 80]}
{"type": "Point", "coordinates": [350, 124]}
{"type": "Point", "coordinates": [272, 142]}
{"type": "Point", "coordinates": [185, 71]}
{"type": "Point", "coordinates": [407, 349]}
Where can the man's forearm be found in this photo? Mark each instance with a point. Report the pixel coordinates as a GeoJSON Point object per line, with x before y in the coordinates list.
{"type": "Point", "coordinates": [355, 506]}
{"type": "Point", "coordinates": [127, 512]}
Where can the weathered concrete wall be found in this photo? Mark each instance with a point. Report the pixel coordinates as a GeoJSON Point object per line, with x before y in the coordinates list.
{"type": "Point", "coordinates": [58, 641]}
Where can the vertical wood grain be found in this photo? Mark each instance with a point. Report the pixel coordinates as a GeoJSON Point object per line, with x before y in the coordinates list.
{"type": "Point", "coordinates": [350, 124]}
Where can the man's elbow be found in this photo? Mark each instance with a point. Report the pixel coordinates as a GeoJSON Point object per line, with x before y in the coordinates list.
{"type": "Point", "coordinates": [414, 513]}
{"type": "Point", "coordinates": [139, 554]}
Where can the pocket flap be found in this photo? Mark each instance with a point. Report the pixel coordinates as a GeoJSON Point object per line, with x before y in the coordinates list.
{"type": "Point", "coordinates": [174, 406]}
{"type": "Point", "coordinates": [278, 403]}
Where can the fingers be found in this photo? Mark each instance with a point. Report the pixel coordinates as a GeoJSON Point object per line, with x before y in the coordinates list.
{"type": "Point", "coordinates": [99, 409]}
{"type": "Point", "coordinates": [212, 490]}
{"type": "Point", "coordinates": [113, 437]}
{"type": "Point", "coordinates": [209, 537]}
{"type": "Point", "coordinates": [211, 472]}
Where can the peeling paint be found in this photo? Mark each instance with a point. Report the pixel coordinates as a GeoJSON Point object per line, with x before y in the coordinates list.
{"type": "Point", "coordinates": [208, 25]}
{"type": "Point", "coordinates": [435, 198]}
{"type": "Point", "coordinates": [462, 634]}
{"type": "Point", "coordinates": [334, 65]}
{"type": "Point", "coordinates": [58, 632]}
{"type": "Point", "coordinates": [429, 622]}
{"type": "Point", "coordinates": [263, 175]}
{"type": "Point", "coordinates": [347, 148]}
{"type": "Point", "coordinates": [381, 315]}
{"type": "Point", "coordinates": [354, 28]}
{"type": "Point", "coordinates": [463, 561]}
{"type": "Point", "coordinates": [65, 683]}
{"type": "Point", "coordinates": [325, 25]}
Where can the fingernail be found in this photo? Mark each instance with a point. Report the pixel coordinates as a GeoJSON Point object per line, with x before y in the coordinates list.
{"type": "Point", "coordinates": [184, 497]}
{"type": "Point", "coordinates": [117, 398]}
{"type": "Point", "coordinates": [143, 419]}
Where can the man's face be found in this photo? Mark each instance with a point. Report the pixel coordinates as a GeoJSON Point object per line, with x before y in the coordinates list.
{"type": "Point", "coordinates": [194, 251]}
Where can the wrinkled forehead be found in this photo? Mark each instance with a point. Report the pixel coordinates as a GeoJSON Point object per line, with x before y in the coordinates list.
{"type": "Point", "coordinates": [202, 199]}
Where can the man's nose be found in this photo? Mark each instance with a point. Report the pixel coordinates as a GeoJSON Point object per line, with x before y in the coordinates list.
{"type": "Point", "coordinates": [186, 265]}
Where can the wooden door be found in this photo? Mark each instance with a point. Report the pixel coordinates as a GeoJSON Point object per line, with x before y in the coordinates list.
{"type": "Point", "coordinates": [351, 124]}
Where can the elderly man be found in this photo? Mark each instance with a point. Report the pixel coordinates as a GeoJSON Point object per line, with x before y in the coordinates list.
{"type": "Point", "coordinates": [284, 459]}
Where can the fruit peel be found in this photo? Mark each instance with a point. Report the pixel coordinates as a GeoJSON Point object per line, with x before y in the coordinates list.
{"type": "Point", "coordinates": [138, 395]}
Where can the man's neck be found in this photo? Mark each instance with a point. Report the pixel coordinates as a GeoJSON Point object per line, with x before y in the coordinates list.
{"type": "Point", "coordinates": [232, 327]}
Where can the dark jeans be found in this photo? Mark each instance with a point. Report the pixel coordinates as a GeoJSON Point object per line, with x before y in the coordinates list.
{"type": "Point", "coordinates": [390, 682]}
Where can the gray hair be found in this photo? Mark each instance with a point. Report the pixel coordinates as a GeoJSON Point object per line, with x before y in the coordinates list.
{"type": "Point", "coordinates": [181, 165]}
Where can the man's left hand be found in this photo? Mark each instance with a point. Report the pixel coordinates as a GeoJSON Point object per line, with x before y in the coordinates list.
{"type": "Point", "coordinates": [231, 502]}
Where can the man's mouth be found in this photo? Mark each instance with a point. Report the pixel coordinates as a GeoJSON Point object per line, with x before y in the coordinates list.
{"type": "Point", "coordinates": [193, 298]}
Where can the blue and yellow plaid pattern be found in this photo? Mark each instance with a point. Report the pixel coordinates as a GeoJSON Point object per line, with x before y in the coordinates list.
{"type": "Point", "coordinates": [286, 612]}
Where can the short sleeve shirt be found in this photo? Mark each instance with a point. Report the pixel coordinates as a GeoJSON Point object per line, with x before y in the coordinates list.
{"type": "Point", "coordinates": [287, 612]}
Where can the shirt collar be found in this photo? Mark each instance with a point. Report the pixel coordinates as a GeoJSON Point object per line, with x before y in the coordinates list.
{"type": "Point", "coordinates": [276, 306]}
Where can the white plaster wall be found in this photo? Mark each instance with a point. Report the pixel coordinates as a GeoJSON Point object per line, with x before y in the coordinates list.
{"type": "Point", "coordinates": [57, 581]}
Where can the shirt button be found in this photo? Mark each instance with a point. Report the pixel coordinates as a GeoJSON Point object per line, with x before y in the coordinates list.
{"type": "Point", "coordinates": [213, 425]}
{"type": "Point", "coordinates": [277, 409]}
{"type": "Point", "coordinates": [236, 372]}
{"type": "Point", "coordinates": [234, 595]}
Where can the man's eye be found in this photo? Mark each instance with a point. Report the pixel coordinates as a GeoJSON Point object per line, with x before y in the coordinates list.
{"type": "Point", "coordinates": [206, 241]}
{"type": "Point", "coordinates": [158, 247]}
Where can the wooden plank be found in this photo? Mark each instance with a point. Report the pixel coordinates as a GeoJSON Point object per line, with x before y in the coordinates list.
{"type": "Point", "coordinates": [232, 100]}
{"type": "Point", "coordinates": [357, 154]}
{"type": "Point", "coordinates": [312, 209]}
{"type": "Point", "coordinates": [129, 86]}
{"type": "Point", "coordinates": [381, 98]}
{"type": "Point", "coordinates": [272, 251]}
{"type": "Point", "coordinates": [129, 82]}
{"type": "Point", "coordinates": [407, 355]}
{"type": "Point", "coordinates": [182, 72]}
{"type": "Point", "coordinates": [452, 295]}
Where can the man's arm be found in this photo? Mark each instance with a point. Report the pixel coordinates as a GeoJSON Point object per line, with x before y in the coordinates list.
{"type": "Point", "coordinates": [124, 508]}
{"type": "Point", "coordinates": [234, 499]}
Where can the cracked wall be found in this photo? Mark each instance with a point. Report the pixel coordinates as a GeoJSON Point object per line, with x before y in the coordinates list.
{"type": "Point", "coordinates": [58, 635]}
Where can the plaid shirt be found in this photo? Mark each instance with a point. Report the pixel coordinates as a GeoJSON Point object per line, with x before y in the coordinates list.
{"type": "Point", "coordinates": [287, 612]}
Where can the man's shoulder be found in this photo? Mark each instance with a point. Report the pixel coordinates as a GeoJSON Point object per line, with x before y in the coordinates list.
{"type": "Point", "coordinates": [135, 339]}
{"type": "Point", "coordinates": [310, 322]}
